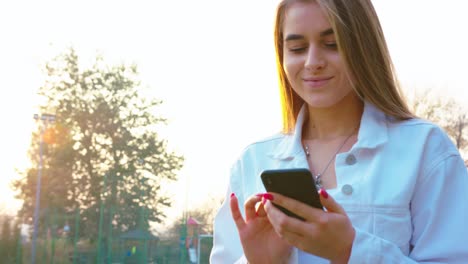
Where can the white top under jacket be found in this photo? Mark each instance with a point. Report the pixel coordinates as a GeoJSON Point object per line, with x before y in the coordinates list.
{"type": "Point", "coordinates": [403, 184]}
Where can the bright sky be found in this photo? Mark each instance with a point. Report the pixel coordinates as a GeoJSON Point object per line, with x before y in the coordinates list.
{"type": "Point", "coordinates": [211, 61]}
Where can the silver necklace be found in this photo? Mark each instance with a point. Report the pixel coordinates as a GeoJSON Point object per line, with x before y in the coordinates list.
{"type": "Point", "coordinates": [318, 177]}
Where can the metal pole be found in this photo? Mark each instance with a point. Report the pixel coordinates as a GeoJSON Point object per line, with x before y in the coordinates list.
{"type": "Point", "coordinates": [77, 230]}
{"type": "Point", "coordinates": [19, 247]}
{"type": "Point", "coordinates": [101, 215]}
{"type": "Point", "coordinates": [200, 237]}
{"type": "Point", "coordinates": [38, 195]}
{"type": "Point", "coordinates": [52, 245]}
{"type": "Point", "coordinates": [46, 118]}
{"type": "Point", "coordinates": [109, 237]}
{"type": "Point", "coordinates": [145, 242]}
{"type": "Point", "coordinates": [198, 248]}
{"type": "Point", "coordinates": [183, 238]}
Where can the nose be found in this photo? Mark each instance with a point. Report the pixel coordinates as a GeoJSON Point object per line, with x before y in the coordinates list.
{"type": "Point", "coordinates": [315, 60]}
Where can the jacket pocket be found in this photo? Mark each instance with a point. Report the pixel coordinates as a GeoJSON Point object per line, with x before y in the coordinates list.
{"type": "Point", "coordinates": [394, 225]}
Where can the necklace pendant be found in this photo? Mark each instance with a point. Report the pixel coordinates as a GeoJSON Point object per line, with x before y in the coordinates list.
{"type": "Point", "coordinates": [318, 181]}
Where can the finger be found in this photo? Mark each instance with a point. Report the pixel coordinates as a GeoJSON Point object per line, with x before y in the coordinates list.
{"type": "Point", "coordinates": [235, 211]}
{"type": "Point", "coordinates": [250, 208]}
{"type": "Point", "coordinates": [261, 210]}
{"type": "Point", "coordinates": [295, 239]}
{"type": "Point", "coordinates": [282, 223]}
{"type": "Point", "coordinates": [329, 203]}
{"type": "Point", "coordinates": [301, 209]}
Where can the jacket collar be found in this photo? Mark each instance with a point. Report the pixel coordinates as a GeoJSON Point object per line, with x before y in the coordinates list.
{"type": "Point", "coordinates": [373, 132]}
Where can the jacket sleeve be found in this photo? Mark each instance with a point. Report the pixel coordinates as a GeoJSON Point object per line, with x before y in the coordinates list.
{"type": "Point", "coordinates": [227, 247]}
{"type": "Point", "coordinates": [439, 212]}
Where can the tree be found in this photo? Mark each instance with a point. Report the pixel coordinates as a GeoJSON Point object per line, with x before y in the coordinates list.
{"type": "Point", "coordinates": [9, 239]}
{"type": "Point", "coordinates": [103, 153]}
{"type": "Point", "coordinates": [446, 112]}
{"type": "Point", "coordinates": [5, 236]}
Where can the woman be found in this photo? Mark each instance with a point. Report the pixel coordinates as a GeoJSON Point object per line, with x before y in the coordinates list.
{"type": "Point", "coordinates": [394, 186]}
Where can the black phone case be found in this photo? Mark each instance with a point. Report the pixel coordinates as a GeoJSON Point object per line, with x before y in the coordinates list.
{"type": "Point", "coordinates": [294, 183]}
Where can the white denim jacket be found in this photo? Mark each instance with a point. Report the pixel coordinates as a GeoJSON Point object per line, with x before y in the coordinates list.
{"type": "Point", "coordinates": [403, 185]}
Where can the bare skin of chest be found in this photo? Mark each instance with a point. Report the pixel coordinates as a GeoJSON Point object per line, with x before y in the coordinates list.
{"type": "Point", "coordinates": [322, 152]}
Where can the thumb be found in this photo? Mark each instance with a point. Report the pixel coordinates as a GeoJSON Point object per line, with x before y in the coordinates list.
{"type": "Point", "coordinates": [329, 203]}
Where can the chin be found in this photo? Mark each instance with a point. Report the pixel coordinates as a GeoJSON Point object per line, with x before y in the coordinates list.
{"type": "Point", "coordinates": [321, 103]}
{"type": "Point", "coordinates": [326, 101]}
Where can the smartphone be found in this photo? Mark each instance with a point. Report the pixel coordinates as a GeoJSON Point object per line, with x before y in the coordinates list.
{"type": "Point", "coordinates": [293, 183]}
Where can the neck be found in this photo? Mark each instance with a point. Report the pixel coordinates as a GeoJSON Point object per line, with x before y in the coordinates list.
{"type": "Point", "coordinates": [341, 119]}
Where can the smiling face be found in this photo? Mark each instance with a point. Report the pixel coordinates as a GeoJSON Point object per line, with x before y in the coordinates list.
{"type": "Point", "coordinates": [311, 60]}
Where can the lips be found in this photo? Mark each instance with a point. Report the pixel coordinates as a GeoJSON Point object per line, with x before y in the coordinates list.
{"type": "Point", "coordinates": [316, 79]}
{"type": "Point", "coordinates": [316, 82]}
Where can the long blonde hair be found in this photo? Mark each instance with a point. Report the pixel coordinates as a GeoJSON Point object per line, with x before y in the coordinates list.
{"type": "Point", "coordinates": [362, 45]}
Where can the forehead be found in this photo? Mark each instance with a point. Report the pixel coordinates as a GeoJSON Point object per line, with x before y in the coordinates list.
{"type": "Point", "coordinates": [304, 17]}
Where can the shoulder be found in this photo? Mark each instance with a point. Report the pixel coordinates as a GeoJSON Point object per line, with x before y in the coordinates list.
{"type": "Point", "coordinates": [253, 158]}
{"type": "Point", "coordinates": [432, 140]}
{"type": "Point", "coordinates": [265, 142]}
{"type": "Point", "coordinates": [262, 146]}
{"type": "Point", "coordinates": [417, 128]}
{"type": "Point", "coordinates": [258, 150]}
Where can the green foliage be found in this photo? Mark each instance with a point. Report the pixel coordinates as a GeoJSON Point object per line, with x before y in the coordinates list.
{"type": "Point", "coordinates": [9, 239]}
{"type": "Point", "coordinates": [105, 129]}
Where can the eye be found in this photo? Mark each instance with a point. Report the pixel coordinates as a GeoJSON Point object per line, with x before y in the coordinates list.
{"type": "Point", "coordinates": [297, 49]}
{"type": "Point", "coordinates": [331, 45]}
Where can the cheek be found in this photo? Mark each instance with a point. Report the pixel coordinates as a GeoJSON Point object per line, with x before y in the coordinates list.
{"type": "Point", "coordinates": [291, 68]}
{"type": "Point", "coordinates": [338, 64]}
{"type": "Point", "coordinates": [341, 69]}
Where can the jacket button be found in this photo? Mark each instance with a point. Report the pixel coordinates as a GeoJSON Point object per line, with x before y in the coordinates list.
{"type": "Point", "coordinates": [351, 159]}
{"type": "Point", "coordinates": [347, 189]}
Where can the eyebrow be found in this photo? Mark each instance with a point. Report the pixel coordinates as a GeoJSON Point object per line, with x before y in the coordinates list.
{"type": "Point", "coordinates": [327, 32]}
{"type": "Point", "coordinates": [324, 33]}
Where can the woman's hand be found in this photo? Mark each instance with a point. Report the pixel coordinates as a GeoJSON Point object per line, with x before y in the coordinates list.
{"type": "Point", "coordinates": [259, 240]}
{"type": "Point", "coordinates": [327, 234]}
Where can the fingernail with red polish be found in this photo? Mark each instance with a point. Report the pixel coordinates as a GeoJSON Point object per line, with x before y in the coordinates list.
{"type": "Point", "coordinates": [264, 200]}
{"type": "Point", "coordinates": [323, 193]}
{"type": "Point", "coordinates": [268, 196]}
{"type": "Point", "coordinates": [233, 195]}
{"type": "Point", "coordinates": [259, 195]}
